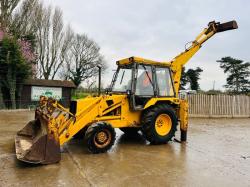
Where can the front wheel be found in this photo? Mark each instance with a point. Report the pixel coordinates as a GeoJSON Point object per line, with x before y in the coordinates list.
{"type": "Point", "coordinates": [159, 124]}
{"type": "Point", "coordinates": [100, 137]}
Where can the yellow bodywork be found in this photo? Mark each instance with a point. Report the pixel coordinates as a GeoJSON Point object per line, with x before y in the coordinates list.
{"type": "Point", "coordinates": [183, 115]}
{"type": "Point", "coordinates": [142, 61]}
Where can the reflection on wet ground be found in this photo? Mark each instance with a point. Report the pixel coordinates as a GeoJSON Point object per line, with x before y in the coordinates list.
{"type": "Point", "coordinates": [217, 154]}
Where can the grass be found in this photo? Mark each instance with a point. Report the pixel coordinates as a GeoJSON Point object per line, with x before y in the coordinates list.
{"type": "Point", "coordinates": [80, 95]}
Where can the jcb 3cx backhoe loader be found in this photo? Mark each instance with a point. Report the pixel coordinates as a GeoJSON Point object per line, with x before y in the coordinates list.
{"type": "Point", "coordinates": [143, 96]}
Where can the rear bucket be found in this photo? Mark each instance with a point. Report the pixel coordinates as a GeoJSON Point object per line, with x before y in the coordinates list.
{"type": "Point", "coordinates": [227, 26]}
{"type": "Point", "coordinates": [36, 144]}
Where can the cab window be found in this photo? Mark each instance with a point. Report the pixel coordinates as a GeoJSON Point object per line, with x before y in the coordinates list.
{"type": "Point", "coordinates": [165, 85]}
{"type": "Point", "coordinates": [144, 83]}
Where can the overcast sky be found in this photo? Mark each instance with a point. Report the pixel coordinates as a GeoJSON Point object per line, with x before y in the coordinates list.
{"type": "Point", "coordinates": [159, 30]}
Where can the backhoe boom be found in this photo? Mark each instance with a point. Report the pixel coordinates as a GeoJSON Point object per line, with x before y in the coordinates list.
{"type": "Point", "coordinates": [180, 60]}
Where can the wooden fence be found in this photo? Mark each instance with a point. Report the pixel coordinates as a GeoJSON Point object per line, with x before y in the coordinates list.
{"type": "Point", "coordinates": [201, 105]}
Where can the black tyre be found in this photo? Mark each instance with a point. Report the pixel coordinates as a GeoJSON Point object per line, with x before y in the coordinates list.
{"type": "Point", "coordinates": [159, 124]}
{"type": "Point", "coordinates": [100, 137]}
{"type": "Point", "coordinates": [130, 130]}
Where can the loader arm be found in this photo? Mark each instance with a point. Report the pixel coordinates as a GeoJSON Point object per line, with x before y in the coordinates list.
{"type": "Point", "coordinates": [180, 60]}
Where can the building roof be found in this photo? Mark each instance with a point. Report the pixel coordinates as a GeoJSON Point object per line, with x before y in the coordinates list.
{"type": "Point", "coordinates": [141, 61]}
{"type": "Point", "coordinates": [50, 83]}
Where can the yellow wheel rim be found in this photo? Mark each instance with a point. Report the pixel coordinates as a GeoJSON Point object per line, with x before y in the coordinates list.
{"type": "Point", "coordinates": [163, 124]}
{"type": "Point", "coordinates": [102, 138]}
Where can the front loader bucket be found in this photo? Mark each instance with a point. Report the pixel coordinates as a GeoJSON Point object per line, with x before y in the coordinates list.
{"type": "Point", "coordinates": [36, 143]}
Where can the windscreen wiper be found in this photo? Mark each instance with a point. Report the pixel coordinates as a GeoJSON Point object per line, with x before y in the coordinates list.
{"type": "Point", "coordinates": [122, 76]}
{"type": "Point", "coordinates": [147, 75]}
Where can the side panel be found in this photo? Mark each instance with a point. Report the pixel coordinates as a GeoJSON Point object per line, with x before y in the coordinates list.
{"type": "Point", "coordinates": [126, 117]}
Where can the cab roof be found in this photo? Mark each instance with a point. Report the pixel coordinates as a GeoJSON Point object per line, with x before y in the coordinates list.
{"type": "Point", "coordinates": [140, 60]}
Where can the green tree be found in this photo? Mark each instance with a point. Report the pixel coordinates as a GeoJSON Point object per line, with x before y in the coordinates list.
{"type": "Point", "coordinates": [192, 76]}
{"type": "Point", "coordinates": [14, 69]}
{"type": "Point", "coordinates": [238, 73]}
{"type": "Point", "coordinates": [213, 92]}
{"type": "Point", "coordinates": [184, 79]}
{"type": "Point", "coordinates": [2, 105]}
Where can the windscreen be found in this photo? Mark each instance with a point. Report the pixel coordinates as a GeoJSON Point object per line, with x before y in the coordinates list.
{"type": "Point", "coordinates": [123, 80]}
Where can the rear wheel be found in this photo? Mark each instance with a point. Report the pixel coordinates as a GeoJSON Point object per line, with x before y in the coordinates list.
{"type": "Point", "coordinates": [159, 124]}
{"type": "Point", "coordinates": [100, 137]}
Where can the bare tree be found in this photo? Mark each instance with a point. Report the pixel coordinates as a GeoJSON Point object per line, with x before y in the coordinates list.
{"type": "Point", "coordinates": [6, 9]}
{"type": "Point", "coordinates": [24, 18]}
{"type": "Point", "coordinates": [53, 41]}
{"type": "Point", "coordinates": [83, 58]}
{"type": "Point", "coordinates": [65, 47]}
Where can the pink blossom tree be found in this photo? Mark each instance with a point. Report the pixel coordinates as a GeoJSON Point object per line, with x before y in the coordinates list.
{"type": "Point", "coordinates": [17, 59]}
{"type": "Point", "coordinates": [28, 54]}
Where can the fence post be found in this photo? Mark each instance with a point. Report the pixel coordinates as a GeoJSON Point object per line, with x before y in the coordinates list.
{"type": "Point", "coordinates": [233, 106]}
{"type": "Point", "coordinates": [211, 106]}
{"type": "Point", "coordinates": [248, 106]}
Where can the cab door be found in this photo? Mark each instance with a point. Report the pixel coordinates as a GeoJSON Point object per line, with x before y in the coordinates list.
{"type": "Point", "coordinates": [144, 87]}
{"type": "Point", "coordinates": [165, 87]}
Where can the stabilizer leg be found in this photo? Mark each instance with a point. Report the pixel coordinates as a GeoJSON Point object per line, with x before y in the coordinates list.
{"type": "Point", "coordinates": [183, 119]}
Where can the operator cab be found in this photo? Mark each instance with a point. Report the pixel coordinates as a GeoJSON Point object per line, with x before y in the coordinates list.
{"type": "Point", "coordinates": [142, 80]}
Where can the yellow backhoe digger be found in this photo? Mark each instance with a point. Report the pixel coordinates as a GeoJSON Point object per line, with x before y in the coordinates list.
{"type": "Point", "coordinates": [143, 96]}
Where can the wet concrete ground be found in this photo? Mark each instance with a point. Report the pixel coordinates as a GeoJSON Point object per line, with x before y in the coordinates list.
{"type": "Point", "coordinates": [217, 154]}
